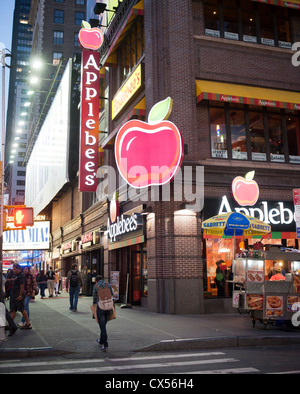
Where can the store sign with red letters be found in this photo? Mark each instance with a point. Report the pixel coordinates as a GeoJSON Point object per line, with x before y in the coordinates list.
{"type": "Point", "coordinates": [90, 41]}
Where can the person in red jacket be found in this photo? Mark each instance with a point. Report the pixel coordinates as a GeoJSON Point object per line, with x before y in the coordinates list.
{"type": "Point", "coordinates": [278, 275]}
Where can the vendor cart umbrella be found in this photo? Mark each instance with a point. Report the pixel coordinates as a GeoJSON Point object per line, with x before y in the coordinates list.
{"type": "Point", "coordinates": [235, 224]}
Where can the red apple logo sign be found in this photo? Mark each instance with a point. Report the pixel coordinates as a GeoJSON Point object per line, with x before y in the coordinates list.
{"type": "Point", "coordinates": [90, 38]}
{"type": "Point", "coordinates": [149, 153]}
{"type": "Point", "coordinates": [245, 190]}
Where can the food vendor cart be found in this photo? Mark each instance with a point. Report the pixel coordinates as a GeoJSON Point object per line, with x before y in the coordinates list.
{"type": "Point", "coordinates": [265, 300]}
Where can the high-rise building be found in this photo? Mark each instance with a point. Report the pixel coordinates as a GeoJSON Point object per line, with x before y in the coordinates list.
{"type": "Point", "coordinates": [17, 109]}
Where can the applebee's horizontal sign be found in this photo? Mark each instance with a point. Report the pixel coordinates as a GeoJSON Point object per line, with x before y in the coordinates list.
{"type": "Point", "coordinates": [90, 40]}
{"type": "Point", "coordinates": [149, 153]}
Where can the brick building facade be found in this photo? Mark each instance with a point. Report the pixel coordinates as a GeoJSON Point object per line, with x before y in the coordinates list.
{"type": "Point", "coordinates": [184, 47]}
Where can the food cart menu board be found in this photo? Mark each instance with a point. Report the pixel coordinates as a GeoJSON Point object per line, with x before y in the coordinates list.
{"type": "Point", "coordinates": [255, 271]}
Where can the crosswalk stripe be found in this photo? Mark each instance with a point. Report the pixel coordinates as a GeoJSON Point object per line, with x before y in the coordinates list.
{"type": "Point", "coordinates": [167, 356]}
{"type": "Point", "coordinates": [133, 367]}
{"type": "Point", "coordinates": [219, 371]}
{"type": "Point", "coordinates": [45, 363]}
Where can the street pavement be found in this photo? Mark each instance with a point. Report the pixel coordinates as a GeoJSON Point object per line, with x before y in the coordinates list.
{"type": "Point", "coordinates": [57, 330]}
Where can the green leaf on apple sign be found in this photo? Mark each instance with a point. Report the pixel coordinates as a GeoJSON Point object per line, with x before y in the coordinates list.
{"type": "Point", "coordinates": [85, 25]}
{"type": "Point", "coordinates": [250, 175]}
{"type": "Point", "coordinates": [160, 111]}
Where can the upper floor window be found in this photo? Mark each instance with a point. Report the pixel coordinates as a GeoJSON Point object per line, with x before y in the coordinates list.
{"type": "Point", "coordinates": [79, 17]}
{"type": "Point", "coordinates": [80, 2]}
{"type": "Point", "coordinates": [245, 132]}
{"type": "Point", "coordinates": [248, 21]}
{"type": "Point", "coordinates": [58, 37]}
{"type": "Point", "coordinates": [59, 16]}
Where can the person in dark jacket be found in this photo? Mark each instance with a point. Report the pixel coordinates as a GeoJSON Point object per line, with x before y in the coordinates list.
{"type": "Point", "coordinates": [42, 282]}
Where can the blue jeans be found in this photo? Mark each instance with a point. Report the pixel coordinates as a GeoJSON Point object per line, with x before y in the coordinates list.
{"type": "Point", "coordinates": [102, 317]}
{"type": "Point", "coordinates": [26, 307]}
{"type": "Point", "coordinates": [74, 292]}
{"type": "Point", "coordinates": [43, 287]}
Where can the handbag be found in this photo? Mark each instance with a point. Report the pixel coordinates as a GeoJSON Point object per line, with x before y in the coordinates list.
{"type": "Point", "coordinates": [113, 314]}
{"type": "Point", "coordinates": [105, 300]}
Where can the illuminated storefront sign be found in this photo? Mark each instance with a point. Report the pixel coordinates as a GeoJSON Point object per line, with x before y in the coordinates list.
{"type": "Point", "coordinates": [90, 40]}
{"type": "Point", "coordinates": [127, 91]}
{"type": "Point", "coordinates": [270, 212]}
{"type": "Point", "coordinates": [36, 237]}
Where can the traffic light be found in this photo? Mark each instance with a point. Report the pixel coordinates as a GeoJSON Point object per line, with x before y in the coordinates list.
{"type": "Point", "coordinates": [23, 217]}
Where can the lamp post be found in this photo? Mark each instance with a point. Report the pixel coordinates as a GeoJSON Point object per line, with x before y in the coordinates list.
{"type": "Point", "coordinates": [2, 60]}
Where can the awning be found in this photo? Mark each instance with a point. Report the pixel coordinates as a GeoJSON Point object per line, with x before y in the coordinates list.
{"type": "Point", "coordinates": [231, 93]}
{"type": "Point", "coordinates": [273, 235]}
{"type": "Point", "coordinates": [295, 4]}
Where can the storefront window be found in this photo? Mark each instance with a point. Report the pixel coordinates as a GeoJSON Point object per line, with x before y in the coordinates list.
{"type": "Point", "coordinates": [276, 138]}
{"type": "Point", "coordinates": [238, 135]}
{"type": "Point", "coordinates": [231, 28]}
{"type": "Point", "coordinates": [218, 272]}
{"type": "Point", "coordinates": [293, 137]}
{"type": "Point", "coordinates": [212, 19]}
{"type": "Point", "coordinates": [257, 135]}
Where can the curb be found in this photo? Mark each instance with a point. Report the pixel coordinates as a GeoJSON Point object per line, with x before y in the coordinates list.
{"type": "Point", "coordinates": [7, 353]}
{"type": "Point", "coordinates": [220, 342]}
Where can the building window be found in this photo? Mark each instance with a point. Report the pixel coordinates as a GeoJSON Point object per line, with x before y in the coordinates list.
{"type": "Point", "coordinates": [76, 42]}
{"type": "Point", "coordinates": [80, 2]}
{"type": "Point", "coordinates": [59, 16]}
{"type": "Point", "coordinates": [79, 17]}
{"type": "Point", "coordinates": [255, 133]}
{"type": "Point", "coordinates": [56, 58]}
{"type": "Point", "coordinates": [59, 1]}
{"type": "Point", "coordinates": [58, 37]}
{"type": "Point", "coordinates": [248, 21]}
{"type": "Point", "coordinates": [218, 133]}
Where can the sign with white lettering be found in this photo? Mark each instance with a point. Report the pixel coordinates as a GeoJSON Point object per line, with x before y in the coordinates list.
{"type": "Point", "coordinates": [279, 215]}
{"type": "Point", "coordinates": [124, 225]}
{"type": "Point", "coordinates": [296, 195]}
{"type": "Point", "coordinates": [89, 131]}
{"type": "Point", "coordinates": [33, 238]}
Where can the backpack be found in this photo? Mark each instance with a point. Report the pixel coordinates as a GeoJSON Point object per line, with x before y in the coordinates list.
{"type": "Point", "coordinates": [105, 300]}
{"type": "Point", "coordinates": [74, 280]}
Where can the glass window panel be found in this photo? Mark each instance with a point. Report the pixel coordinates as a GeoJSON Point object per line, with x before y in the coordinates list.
{"type": "Point", "coordinates": [257, 136]}
{"type": "Point", "coordinates": [212, 19]}
{"type": "Point", "coordinates": [293, 137]}
{"type": "Point", "coordinates": [218, 133]}
{"type": "Point", "coordinates": [230, 20]}
{"type": "Point", "coordinates": [276, 138]}
{"type": "Point", "coordinates": [266, 25]}
{"type": "Point", "coordinates": [248, 21]}
{"type": "Point", "coordinates": [283, 28]}
{"type": "Point", "coordinates": [238, 135]}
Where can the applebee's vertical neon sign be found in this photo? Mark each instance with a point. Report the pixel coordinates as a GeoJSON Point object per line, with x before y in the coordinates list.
{"type": "Point", "coordinates": [149, 153]}
{"type": "Point", "coordinates": [90, 41]}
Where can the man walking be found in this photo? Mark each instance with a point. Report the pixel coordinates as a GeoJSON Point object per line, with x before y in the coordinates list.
{"type": "Point", "coordinates": [50, 281]}
{"type": "Point", "coordinates": [73, 284]}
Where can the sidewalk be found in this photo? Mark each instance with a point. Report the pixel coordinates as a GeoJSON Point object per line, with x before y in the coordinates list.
{"type": "Point", "coordinates": [57, 330]}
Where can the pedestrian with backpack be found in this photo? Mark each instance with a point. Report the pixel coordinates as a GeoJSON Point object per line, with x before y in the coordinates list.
{"type": "Point", "coordinates": [73, 284]}
{"type": "Point", "coordinates": [103, 297]}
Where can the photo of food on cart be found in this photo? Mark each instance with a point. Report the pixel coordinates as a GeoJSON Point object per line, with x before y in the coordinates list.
{"type": "Point", "coordinates": [274, 306]}
{"type": "Point", "coordinates": [255, 302]}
